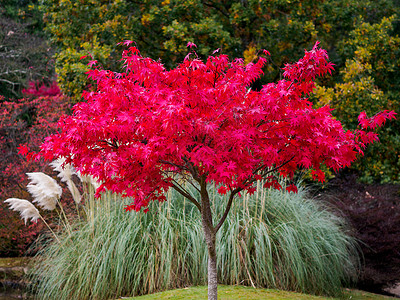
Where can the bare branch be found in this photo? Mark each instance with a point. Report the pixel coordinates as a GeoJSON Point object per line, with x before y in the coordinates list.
{"type": "Point", "coordinates": [227, 209]}
{"type": "Point", "coordinates": [173, 164]}
{"type": "Point", "coordinates": [177, 187]}
{"type": "Point", "coordinates": [191, 183]}
{"type": "Point", "coordinates": [245, 184]}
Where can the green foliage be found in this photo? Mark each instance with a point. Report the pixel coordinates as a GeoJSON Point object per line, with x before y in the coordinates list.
{"type": "Point", "coordinates": [23, 11]}
{"type": "Point", "coordinates": [370, 82]}
{"type": "Point", "coordinates": [272, 239]}
{"type": "Point", "coordinates": [162, 29]}
{"type": "Point", "coordinates": [71, 69]}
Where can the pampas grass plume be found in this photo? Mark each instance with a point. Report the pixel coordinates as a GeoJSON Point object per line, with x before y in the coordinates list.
{"type": "Point", "coordinates": [74, 191]}
{"type": "Point", "coordinates": [88, 179]}
{"type": "Point", "coordinates": [44, 189]}
{"type": "Point", "coordinates": [26, 209]}
{"type": "Point", "coordinates": [65, 171]}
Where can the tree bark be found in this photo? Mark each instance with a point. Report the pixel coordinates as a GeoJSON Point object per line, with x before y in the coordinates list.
{"type": "Point", "coordinates": [209, 234]}
{"type": "Point", "coordinates": [212, 260]}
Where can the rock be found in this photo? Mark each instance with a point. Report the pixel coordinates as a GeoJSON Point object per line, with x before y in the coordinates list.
{"type": "Point", "coordinates": [13, 273]}
{"type": "Point", "coordinates": [394, 290]}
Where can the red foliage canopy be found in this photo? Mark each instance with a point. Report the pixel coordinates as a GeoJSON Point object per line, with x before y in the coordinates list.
{"type": "Point", "coordinates": [142, 127]}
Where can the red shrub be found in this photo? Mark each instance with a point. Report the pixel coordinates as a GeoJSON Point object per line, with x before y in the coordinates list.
{"type": "Point", "coordinates": [24, 121]}
{"type": "Point", "coordinates": [38, 89]}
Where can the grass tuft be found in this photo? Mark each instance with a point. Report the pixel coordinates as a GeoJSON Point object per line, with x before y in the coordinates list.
{"type": "Point", "coordinates": [271, 239]}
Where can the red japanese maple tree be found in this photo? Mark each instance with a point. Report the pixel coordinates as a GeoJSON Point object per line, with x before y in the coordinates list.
{"type": "Point", "coordinates": [145, 130]}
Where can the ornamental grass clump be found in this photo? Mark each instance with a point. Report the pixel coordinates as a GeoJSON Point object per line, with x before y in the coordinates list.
{"type": "Point", "coordinates": [273, 239]}
{"type": "Point", "coordinates": [65, 173]}
{"type": "Point", "coordinates": [45, 192]}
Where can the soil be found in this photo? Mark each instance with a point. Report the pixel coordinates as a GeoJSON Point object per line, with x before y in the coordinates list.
{"type": "Point", "coordinates": [373, 211]}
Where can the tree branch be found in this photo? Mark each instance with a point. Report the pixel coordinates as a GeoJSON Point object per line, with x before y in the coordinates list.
{"type": "Point", "coordinates": [191, 169]}
{"type": "Point", "coordinates": [177, 187]}
{"type": "Point", "coordinates": [239, 189]}
{"type": "Point", "coordinates": [277, 168]}
{"type": "Point", "coordinates": [191, 183]}
{"type": "Point", "coordinates": [227, 209]}
{"type": "Point", "coordinates": [173, 164]}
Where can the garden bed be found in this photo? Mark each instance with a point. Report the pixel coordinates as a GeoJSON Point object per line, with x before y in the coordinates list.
{"type": "Point", "coordinates": [374, 212]}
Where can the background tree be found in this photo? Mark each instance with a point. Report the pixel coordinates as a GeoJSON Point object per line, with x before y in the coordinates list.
{"type": "Point", "coordinates": [162, 29]}
{"type": "Point", "coordinates": [370, 81]}
{"type": "Point", "coordinates": [149, 129]}
{"type": "Point", "coordinates": [28, 120]}
{"type": "Point", "coordinates": [25, 55]}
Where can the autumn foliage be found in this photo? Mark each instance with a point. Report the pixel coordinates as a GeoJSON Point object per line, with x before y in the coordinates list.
{"type": "Point", "coordinates": [149, 129]}
{"type": "Point", "coordinates": [24, 121]}
{"type": "Point", "coordinates": [202, 120]}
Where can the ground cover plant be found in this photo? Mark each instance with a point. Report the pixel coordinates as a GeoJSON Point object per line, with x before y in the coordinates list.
{"type": "Point", "coordinates": [148, 130]}
{"type": "Point", "coordinates": [271, 239]}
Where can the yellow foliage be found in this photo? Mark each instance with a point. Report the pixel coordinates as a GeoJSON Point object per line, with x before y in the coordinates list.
{"type": "Point", "coordinates": [249, 54]}
{"type": "Point", "coordinates": [145, 19]}
{"type": "Point", "coordinates": [327, 27]}
{"type": "Point", "coordinates": [323, 95]}
{"type": "Point", "coordinates": [282, 46]}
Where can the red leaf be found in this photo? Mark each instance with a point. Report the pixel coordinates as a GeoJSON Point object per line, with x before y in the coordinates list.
{"type": "Point", "coordinates": [223, 190]}
{"type": "Point", "coordinates": [190, 45]}
{"type": "Point", "coordinates": [292, 188]}
{"type": "Point", "coordinates": [23, 150]}
{"type": "Point", "coordinates": [92, 63]}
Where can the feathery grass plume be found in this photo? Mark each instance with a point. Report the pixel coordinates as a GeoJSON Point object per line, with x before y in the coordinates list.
{"type": "Point", "coordinates": [88, 179]}
{"type": "Point", "coordinates": [44, 189]}
{"type": "Point", "coordinates": [65, 171]}
{"type": "Point", "coordinates": [26, 209]}
{"type": "Point", "coordinates": [74, 191]}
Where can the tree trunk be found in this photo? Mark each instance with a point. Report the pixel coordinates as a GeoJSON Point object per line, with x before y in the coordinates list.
{"type": "Point", "coordinates": [209, 234]}
{"type": "Point", "coordinates": [212, 261]}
